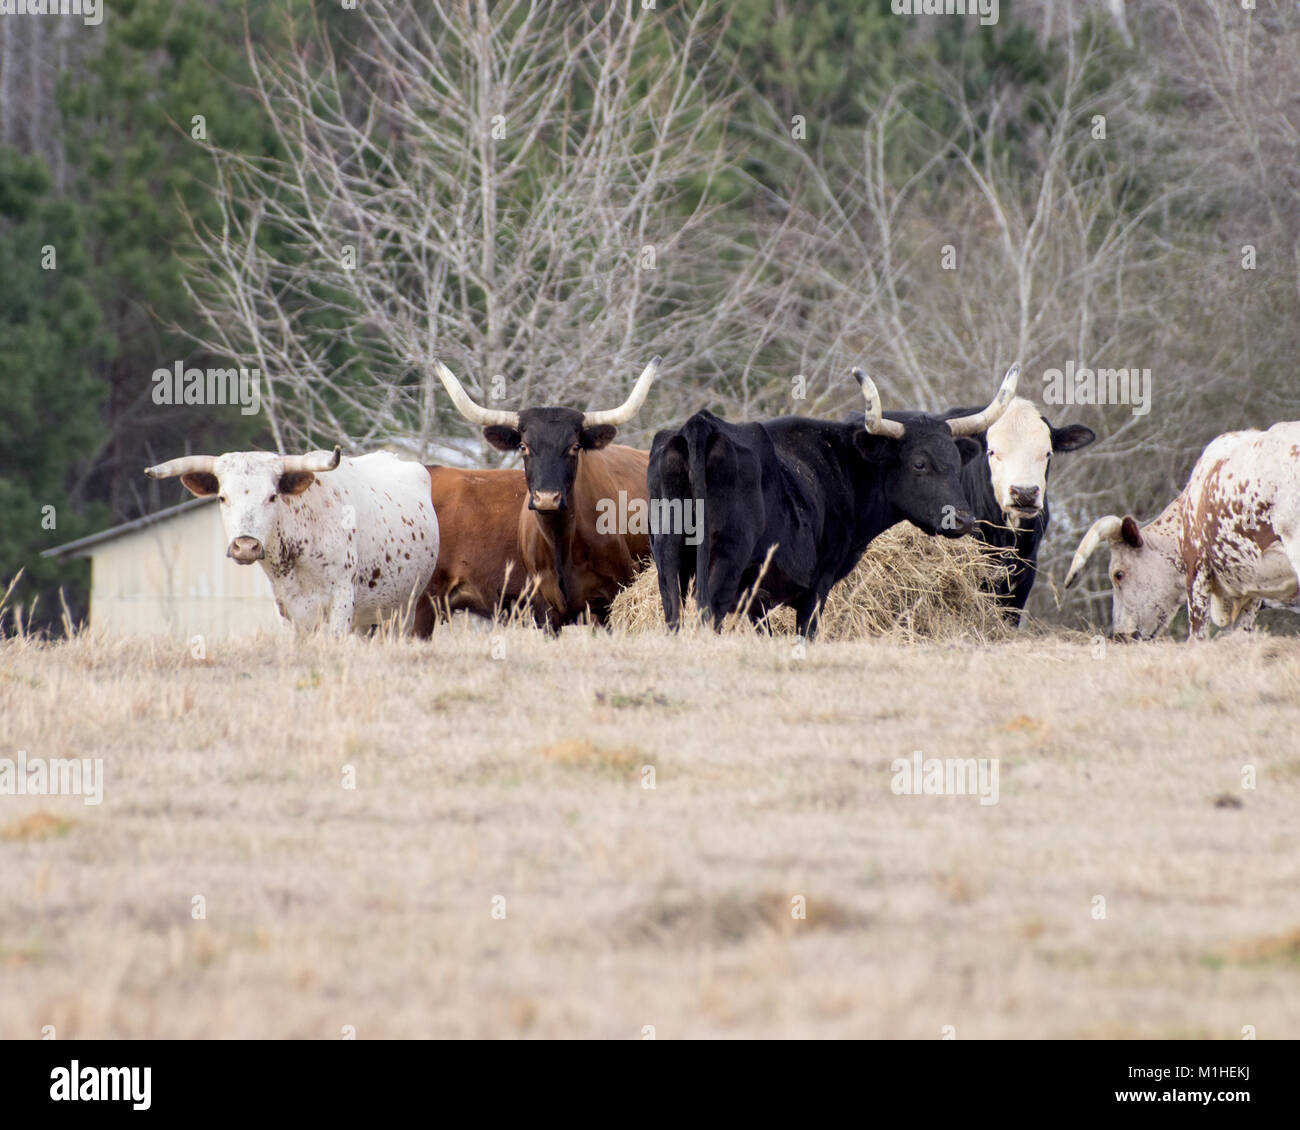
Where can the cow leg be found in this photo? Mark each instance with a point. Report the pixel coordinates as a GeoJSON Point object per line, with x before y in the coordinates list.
{"type": "Point", "coordinates": [342, 603]}
{"type": "Point", "coordinates": [725, 575]}
{"type": "Point", "coordinates": [668, 478]}
{"type": "Point", "coordinates": [1199, 594]}
{"type": "Point", "coordinates": [1245, 620]}
{"type": "Point", "coordinates": [808, 611]}
{"type": "Point", "coordinates": [426, 615]}
{"type": "Point", "coordinates": [670, 553]}
{"type": "Point", "coordinates": [1287, 525]}
{"type": "Point", "coordinates": [1023, 572]}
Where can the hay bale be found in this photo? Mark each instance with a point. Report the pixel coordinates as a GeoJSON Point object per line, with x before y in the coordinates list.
{"type": "Point", "coordinates": [907, 586]}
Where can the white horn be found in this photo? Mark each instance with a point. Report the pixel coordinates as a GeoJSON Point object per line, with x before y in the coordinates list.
{"type": "Point", "coordinates": [629, 407]}
{"type": "Point", "coordinates": [185, 465]}
{"type": "Point", "coordinates": [1103, 529]}
{"type": "Point", "coordinates": [484, 417]}
{"type": "Point", "coordinates": [875, 423]}
{"type": "Point", "coordinates": [970, 425]}
{"type": "Point", "coordinates": [315, 461]}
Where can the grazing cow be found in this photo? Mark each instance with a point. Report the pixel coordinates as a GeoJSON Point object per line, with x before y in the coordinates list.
{"type": "Point", "coordinates": [1227, 544]}
{"type": "Point", "coordinates": [345, 542]}
{"type": "Point", "coordinates": [574, 476]}
{"type": "Point", "coordinates": [812, 492]}
{"type": "Point", "coordinates": [1008, 491]}
{"type": "Point", "coordinates": [479, 568]}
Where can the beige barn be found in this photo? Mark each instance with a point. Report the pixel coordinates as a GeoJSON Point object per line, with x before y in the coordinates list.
{"type": "Point", "coordinates": [167, 574]}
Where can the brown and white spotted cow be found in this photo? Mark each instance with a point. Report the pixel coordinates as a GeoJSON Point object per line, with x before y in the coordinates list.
{"type": "Point", "coordinates": [1225, 546]}
{"type": "Point", "coordinates": [344, 542]}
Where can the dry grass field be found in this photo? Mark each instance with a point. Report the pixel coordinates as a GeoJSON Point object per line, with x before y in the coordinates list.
{"type": "Point", "coordinates": [501, 870]}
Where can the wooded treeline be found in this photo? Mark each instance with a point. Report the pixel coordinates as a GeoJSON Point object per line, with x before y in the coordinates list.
{"type": "Point", "coordinates": [764, 192]}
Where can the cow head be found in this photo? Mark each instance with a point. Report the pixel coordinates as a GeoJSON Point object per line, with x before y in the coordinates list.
{"type": "Point", "coordinates": [921, 458]}
{"type": "Point", "coordinates": [250, 485]}
{"type": "Point", "coordinates": [551, 440]}
{"type": "Point", "coordinates": [1147, 584]}
{"type": "Point", "coordinates": [1020, 445]}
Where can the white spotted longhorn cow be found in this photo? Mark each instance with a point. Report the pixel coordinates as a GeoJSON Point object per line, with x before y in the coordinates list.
{"type": "Point", "coordinates": [346, 542]}
{"type": "Point", "coordinates": [1229, 543]}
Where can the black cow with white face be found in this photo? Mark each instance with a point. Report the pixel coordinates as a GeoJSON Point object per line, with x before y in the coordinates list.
{"type": "Point", "coordinates": [1007, 490]}
{"type": "Point", "coordinates": [813, 492]}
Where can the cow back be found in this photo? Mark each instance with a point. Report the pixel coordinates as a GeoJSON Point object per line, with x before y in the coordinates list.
{"type": "Point", "coordinates": [479, 565]}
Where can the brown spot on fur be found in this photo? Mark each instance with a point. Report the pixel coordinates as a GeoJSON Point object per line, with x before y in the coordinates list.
{"type": "Point", "coordinates": [1262, 536]}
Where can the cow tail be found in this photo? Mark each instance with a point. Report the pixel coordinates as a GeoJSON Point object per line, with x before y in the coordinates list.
{"type": "Point", "coordinates": [698, 434]}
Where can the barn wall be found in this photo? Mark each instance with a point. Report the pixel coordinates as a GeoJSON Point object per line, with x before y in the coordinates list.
{"type": "Point", "coordinates": [173, 578]}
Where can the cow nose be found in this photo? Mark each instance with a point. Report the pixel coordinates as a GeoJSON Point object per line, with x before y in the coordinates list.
{"type": "Point", "coordinates": [245, 550]}
{"type": "Point", "coordinates": [1024, 496]}
{"type": "Point", "coordinates": [963, 522]}
{"type": "Point", "coordinates": [545, 500]}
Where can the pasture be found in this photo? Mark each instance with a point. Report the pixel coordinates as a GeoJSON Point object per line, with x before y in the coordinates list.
{"type": "Point", "coordinates": [506, 766]}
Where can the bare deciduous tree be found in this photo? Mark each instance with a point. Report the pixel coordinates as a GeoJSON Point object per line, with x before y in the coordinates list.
{"type": "Point", "coordinates": [528, 190]}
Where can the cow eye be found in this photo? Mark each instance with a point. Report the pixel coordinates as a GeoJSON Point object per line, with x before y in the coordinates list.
{"type": "Point", "coordinates": [273, 498]}
{"type": "Point", "coordinates": [223, 500]}
{"type": "Point", "coordinates": [523, 447]}
{"type": "Point", "coordinates": [1119, 575]}
{"type": "Point", "coordinates": [919, 464]}
{"type": "Point", "coordinates": [575, 449]}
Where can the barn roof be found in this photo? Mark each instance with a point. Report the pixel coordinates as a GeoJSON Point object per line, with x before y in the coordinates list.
{"type": "Point", "coordinates": [82, 547]}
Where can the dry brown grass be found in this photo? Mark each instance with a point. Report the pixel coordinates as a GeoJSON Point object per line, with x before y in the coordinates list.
{"type": "Point", "coordinates": [626, 906]}
{"type": "Point", "coordinates": [907, 587]}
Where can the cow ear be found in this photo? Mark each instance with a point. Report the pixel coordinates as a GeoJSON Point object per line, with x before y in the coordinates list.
{"type": "Point", "coordinates": [874, 449]}
{"type": "Point", "coordinates": [969, 448]}
{"type": "Point", "coordinates": [1130, 532]}
{"type": "Point", "coordinates": [1071, 437]}
{"type": "Point", "coordinates": [593, 439]}
{"type": "Point", "coordinates": [503, 438]}
{"type": "Point", "coordinates": [201, 483]}
{"type": "Point", "coordinates": [295, 482]}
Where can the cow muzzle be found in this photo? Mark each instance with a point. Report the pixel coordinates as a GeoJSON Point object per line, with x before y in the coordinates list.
{"type": "Point", "coordinates": [1024, 502]}
{"type": "Point", "coordinates": [244, 551]}
{"type": "Point", "coordinates": [546, 500]}
{"type": "Point", "coordinates": [963, 523]}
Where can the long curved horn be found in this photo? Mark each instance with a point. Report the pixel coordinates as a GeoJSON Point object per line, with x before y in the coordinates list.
{"type": "Point", "coordinates": [315, 461]}
{"type": "Point", "coordinates": [484, 417]}
{"type": "Point", "coordinates": [185, 465]}
{"type": "Point", "coordinates": [875, 423]}
{"type": "Point", "coordinates": [969, 425]}
{"type": "Point", "coordinates": [629, 408]}
{"type": "Point", "coordinates": [1103, 529]}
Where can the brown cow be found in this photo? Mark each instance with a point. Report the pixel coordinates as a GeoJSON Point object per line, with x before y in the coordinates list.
{"type": "Point", "coordinates": [479, 567]}
{"type": "Point", "coordinates": [576, 479]}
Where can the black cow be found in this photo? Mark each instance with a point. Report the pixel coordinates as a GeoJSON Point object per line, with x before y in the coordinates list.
{"type": "Point", "coordinates": [815, 490]}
